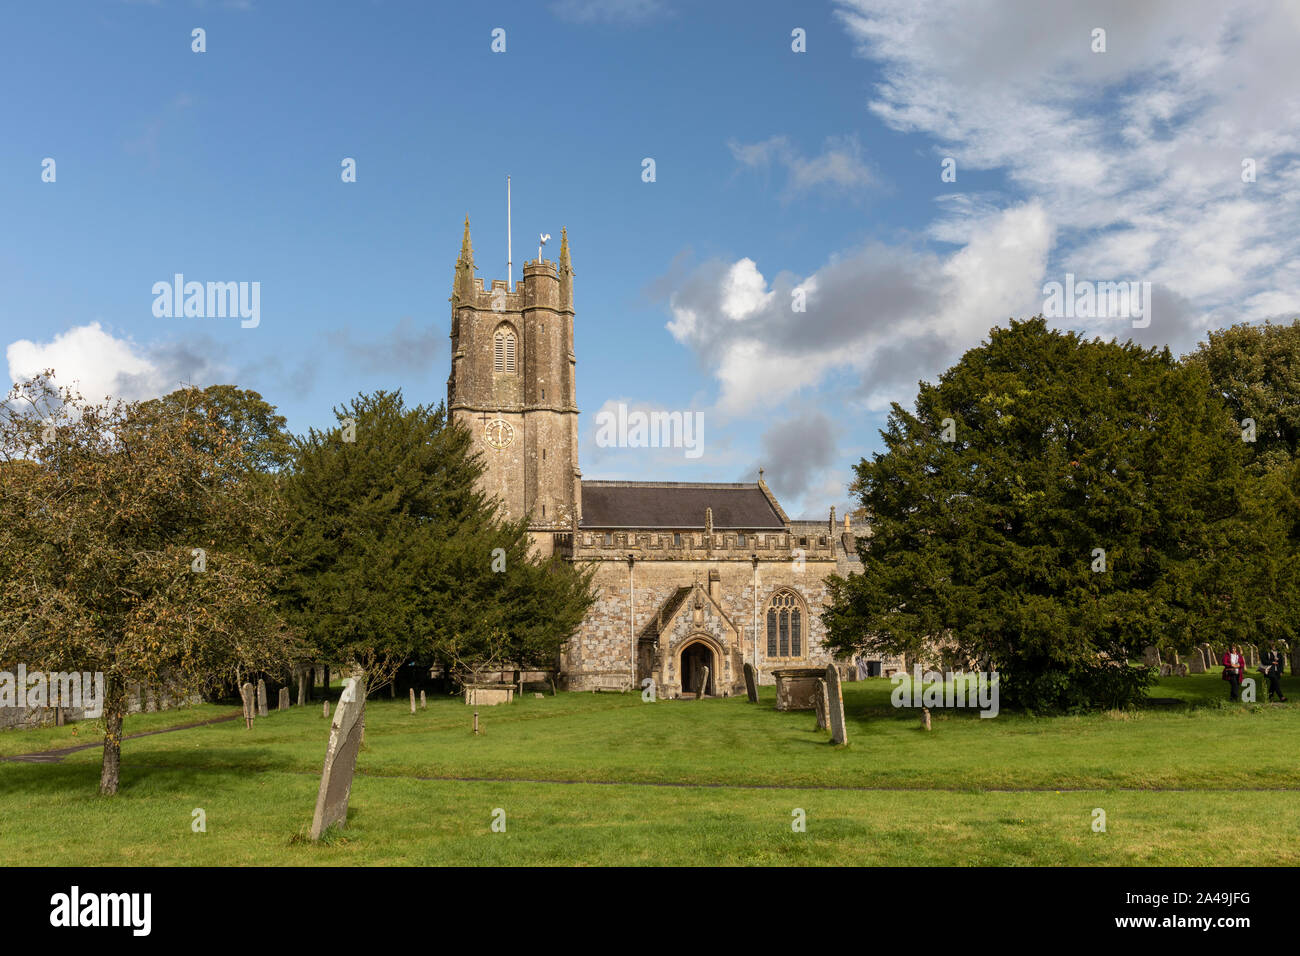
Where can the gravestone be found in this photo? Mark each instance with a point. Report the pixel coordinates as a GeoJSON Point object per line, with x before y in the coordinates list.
{"type": "Point", "coordinates": [1181, 671]}
{"type": "Point", "coordinates": [1196, 663]}
{"type": "Point", "coordinates": [326, 711]}
{"type": "Point", "coordinates": [302, 688]}
{"type": "Point", "coordinates": [1166, 670]}
{"type": "Point", "coordinates": [925, 718]}
{"type": "Point", "coordinates": [246, 692]}
{"type": "Point", "coordinates": [1210, 659]}
{"type": "Point", "coordinates": [412, 701]}
{"type": "Point", "coordinates": [261, 698]}
{"type": "Point", "coordinates": [835, 704]}
{"type": "Point", "coordinates": [702, 683]}
{"type": "Point", "coordinates": [751, 686]}
{"type": "Point", "coordinates": [1151, 656]}
{"type": "Point", "coordinates": [423, 705]}
{"type": "Point", "coordinates": [819, 704]}
{"type": "Point", "coordinates": [340, 759]}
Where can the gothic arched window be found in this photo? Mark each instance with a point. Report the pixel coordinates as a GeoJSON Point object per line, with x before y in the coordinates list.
{"type": "Point", "coordinates": [785, 617]}
{"type": "Point", "coordinates": [503, 349]}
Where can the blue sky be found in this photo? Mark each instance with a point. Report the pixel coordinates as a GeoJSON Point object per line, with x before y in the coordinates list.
{"type": "Point", "coordinates": [775, 171]}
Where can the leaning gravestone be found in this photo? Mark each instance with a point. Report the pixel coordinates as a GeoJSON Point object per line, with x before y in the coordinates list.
{"type": "Point", "coordinates": [819, 704]}
{"type": "Point", "coordinates": [340, 759]}
{"type": "Point", "coordinates": [261, 698]}
{"type": "Point", "coordinates": [751, 687]}
{"type": "Point", "coordinates": [246, 692]}
{"type": "Point", "coordinates": [835, 705]}
{"type": "Point", "coordinates": [702, 684]}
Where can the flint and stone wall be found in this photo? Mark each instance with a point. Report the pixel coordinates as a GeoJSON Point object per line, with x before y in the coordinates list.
{"type": "Point", "coordinates": [630, 598]}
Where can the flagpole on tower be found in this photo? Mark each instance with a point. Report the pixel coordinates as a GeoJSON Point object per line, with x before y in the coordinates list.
{"type": "Point", "coordinates": [510, 265]}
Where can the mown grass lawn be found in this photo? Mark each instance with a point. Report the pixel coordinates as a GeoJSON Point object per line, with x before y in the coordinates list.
{"type": "Point", "coordinates": [606, 779]}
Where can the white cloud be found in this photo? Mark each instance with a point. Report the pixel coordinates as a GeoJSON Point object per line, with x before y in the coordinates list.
{"type": "Point", "coordinates": [1123, 165]}
{"type": "Point", "coordinates": [839, 166]}
{"type": "Point", "coordinates": [100, 365]}
{"type": "Point", "coordinates": [1134, 154]}
{"type": "Point", "coordinates": [744, 291]}
{"type": "Point", "coordinates": [797, 454]}
{"type": "Point", "coordinates": [890, 315]}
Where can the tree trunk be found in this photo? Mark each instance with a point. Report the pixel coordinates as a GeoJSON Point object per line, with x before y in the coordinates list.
{"type": "Point", "coordinates": [114, 707]}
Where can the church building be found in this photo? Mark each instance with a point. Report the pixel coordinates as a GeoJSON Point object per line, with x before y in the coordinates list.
{"type": "Point", "coordinates": [689, 574]}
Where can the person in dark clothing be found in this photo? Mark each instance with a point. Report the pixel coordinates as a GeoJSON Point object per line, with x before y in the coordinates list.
{"type": "Point", "coordinates": [1234, 665]}
{"type": "Point", "coordinates": [1271, 662]}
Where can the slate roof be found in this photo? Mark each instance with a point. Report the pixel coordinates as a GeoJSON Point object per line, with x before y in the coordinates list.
{"type": "Point", "coordinates": [669, 504]}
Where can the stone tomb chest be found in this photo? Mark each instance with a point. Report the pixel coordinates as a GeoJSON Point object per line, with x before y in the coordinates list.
{"type": "Point", "coordinates": [487, 695]}
{"type": "Point", "coordinates": [796, 687]}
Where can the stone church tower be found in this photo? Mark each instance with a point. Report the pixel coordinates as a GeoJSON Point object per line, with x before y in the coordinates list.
{"type": "Point", "coordinates": [694, 581]}
{"type": "Point", "coordinates": [512, 386]}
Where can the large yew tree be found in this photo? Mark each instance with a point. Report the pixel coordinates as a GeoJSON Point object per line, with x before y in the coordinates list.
{"type": "Point", "coordinates": [127, 542]}
{"type": "Point", "coordinates": [394, 554]}
{"type": "Point", "coordinates": [1256, 370]}
{"type": "Point", "coordinates": [1091, 501]}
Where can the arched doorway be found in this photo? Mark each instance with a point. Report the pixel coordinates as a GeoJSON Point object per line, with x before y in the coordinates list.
{"type": "Point", "coordinates": [695, 656]}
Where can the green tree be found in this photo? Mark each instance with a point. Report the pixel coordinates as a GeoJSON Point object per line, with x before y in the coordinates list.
{"type": "Point", "coordinates": [1090, 502]}
{"type": "Point", "coordinates": [125, 540]}
{"type": "Point", "coordinates": [395, 555]}
{"type": "Point", "coordinates": [238, 415]}
{"type": "Point", "coordinates": [1256, 370]}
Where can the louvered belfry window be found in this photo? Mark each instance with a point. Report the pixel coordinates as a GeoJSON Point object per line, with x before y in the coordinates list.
{"type": "Point", "coordinates": [503, 350]}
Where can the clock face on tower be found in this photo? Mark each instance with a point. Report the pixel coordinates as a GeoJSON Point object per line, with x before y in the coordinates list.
{"type": "Point", "coordinates": [499, 433]}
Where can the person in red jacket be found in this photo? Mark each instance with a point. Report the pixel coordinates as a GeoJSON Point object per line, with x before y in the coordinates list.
{"type": "Point", "coordinates": [1234, 666]}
